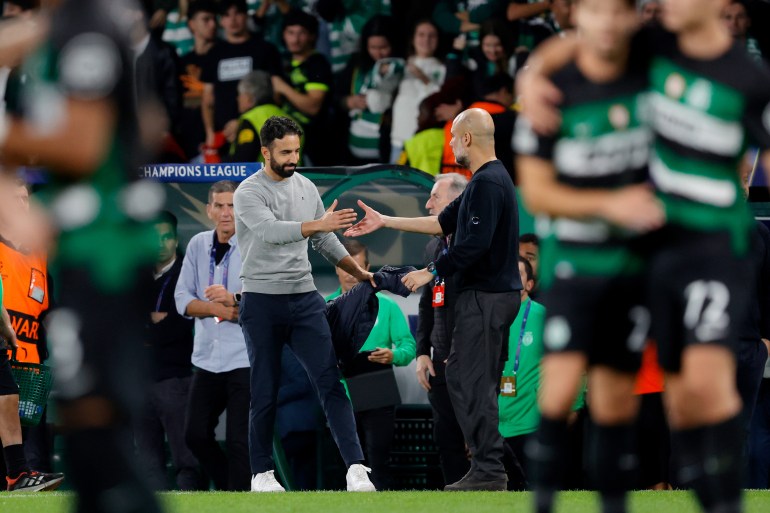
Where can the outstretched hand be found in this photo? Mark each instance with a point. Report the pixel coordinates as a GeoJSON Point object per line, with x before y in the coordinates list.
{"type": "Point", "coordinates": [371, 222]}
{"type": "Point", "coordinates": [337, 220]}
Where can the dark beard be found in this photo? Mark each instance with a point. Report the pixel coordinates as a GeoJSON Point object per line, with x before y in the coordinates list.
{"type": "Point", "coordinates": [282, 171]}
{"type": "Point", "coordinates": [463, 161]}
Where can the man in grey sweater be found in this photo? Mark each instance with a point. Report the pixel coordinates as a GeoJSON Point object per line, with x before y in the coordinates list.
{"type": "Point", "coordinates": [276, 211]}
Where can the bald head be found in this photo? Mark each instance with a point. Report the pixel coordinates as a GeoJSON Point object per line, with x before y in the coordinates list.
{"type": "Point", "coordinates": [473, 138]}
{"type": "Point", "coordinates": [477, 122]}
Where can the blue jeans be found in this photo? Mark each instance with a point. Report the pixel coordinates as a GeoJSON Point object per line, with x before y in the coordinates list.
{"type": "Point", "coordinates": [269, 321]}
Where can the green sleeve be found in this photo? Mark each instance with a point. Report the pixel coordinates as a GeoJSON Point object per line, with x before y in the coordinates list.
{"type": "Point", "coordinates": [1, 291]}
{"type": "Point", "coordinates": [484, 12]}
{"type": "Point", "coordinates": [444, 16]}
{"type": "Point", "coordinates": [403, 344]}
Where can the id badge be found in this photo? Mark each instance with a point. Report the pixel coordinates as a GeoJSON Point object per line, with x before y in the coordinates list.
{"type": "Point", "coordinates": [438, 295]}
{"type": "Point", "coordinates": [508, 386]}
{"type": "Point", "coordinates": [36, 284]}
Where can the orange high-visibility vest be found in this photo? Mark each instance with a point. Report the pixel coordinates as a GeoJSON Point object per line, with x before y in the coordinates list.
{"type": "Point", "coordinates": [25, 284]}
{"type": "Point", "coordinates": [448, 163]}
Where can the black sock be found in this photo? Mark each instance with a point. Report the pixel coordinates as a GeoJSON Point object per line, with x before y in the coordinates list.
{"type": "Point", "coordinates": [708, 460]}
{"type": "Point", "coordinates": [15, 461]}
{"type": "Point", "coordinates": [612, 464]}
{"type": "Point", "coordinates": [547, 452]}
{"type": "Point", "coordinates": [101, 469]}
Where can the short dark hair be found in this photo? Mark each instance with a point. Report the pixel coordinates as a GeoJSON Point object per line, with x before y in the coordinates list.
{"type": "Point", "coordinates": [526, 238]}
{"type": "Point", "coordinates": [494, 83]}
{"type": "Point", "coordinates": [240, 6]}
{"type": "Point", "coordinates": [303, 19]}
{"type": "Point", "coordinates": [528, 270]}
{"type": "Point", "coordinates": [167, 217]}
{"type": "Point", "coordinates": [355, 247]}
{"type": "Point", "coordinates": [198, 6]}
{"type": "Point", "coordinates": [25, 5]}
{"type": "Point", "coordinates": [221, 186]}
{"type": "Point", "coordinates": [278, 127]}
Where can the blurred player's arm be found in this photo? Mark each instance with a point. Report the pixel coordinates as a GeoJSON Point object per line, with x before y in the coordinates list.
{"type": "Point", "coordinates": [537, 95]}
{"type": "Point", "coordinates": [74, 145]}
{"type": "Point", "coordinates": [18, 37]}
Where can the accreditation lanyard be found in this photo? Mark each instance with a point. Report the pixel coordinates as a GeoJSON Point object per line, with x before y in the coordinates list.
{"type": "Point", "coordinates": [213, 263]}
{"type": "Point", "coordinates": [521, 337]}
{"type": "Point", "coordinates": [162, 290]}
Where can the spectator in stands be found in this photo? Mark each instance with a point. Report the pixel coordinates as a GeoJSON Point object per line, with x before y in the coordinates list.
{"type": "Point", "coordinates": [423, 76]}
{"type": "Point", "coordinates": [346, 20]}
{"type": "Point", "coordinates": [649, 11]}
{"type": "Point", "coordinates": [202, 22]}
{"type": "Point", "coordinates": [170, 343]}
{"type": "Point", "coordinates": [227, 63]}
{"type": "Point", "coordinates": [424, 150]}
{"type": "Point", "coordinates": [158, 11]}
{"type": "Point", "coordinates": [496, 98]}
{"type": "Point", "coordinates": [390, 343]}
{"type": "Point", "coordinates": [365, 88]}
{"type": "Point", "coordinates": [737, 21]}
{"type": "Point", "coordinates": [491, 57]}
{"type": "Point", "coordinates": [156, 78]}
{"type": "Point", "coordinates": [463, 18]}
{"type": "Point", "coordinates": [534, 31]}
{"type": "Point", "coordinates": [434, 339]}
{"type": "Point", "coordinates": [307, 95]}
{"type": "Point", "coordinates": [220, 382]}
{"type": "Point", "coordinates": [519, 414]}
{"type": "Point", "coordinates": [269, 16]}
{"type": "Point", "coordinates": [526, 9]}
{"type": "Point", "coordinates": [529, 248]}
{"type": "Point", "coordinates": [255, 102]}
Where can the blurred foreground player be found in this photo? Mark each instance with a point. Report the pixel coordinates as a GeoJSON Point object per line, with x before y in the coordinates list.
{"type": "Point", "coordinates": [80, 122]}
{"type": "Point", "coordinates": [589, 178]}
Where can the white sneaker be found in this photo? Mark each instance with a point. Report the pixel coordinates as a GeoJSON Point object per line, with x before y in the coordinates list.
{"type": "Point", "coordinates": [266, 482]}
{"type": "Point", "coordinates": [358, 479]}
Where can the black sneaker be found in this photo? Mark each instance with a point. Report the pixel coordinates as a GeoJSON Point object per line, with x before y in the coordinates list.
{"type": "Point", "coordinates": [35, 482]}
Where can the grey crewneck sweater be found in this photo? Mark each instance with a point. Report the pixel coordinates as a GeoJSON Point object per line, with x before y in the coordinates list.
{"type": "Point", "coordinates": [268, 221]}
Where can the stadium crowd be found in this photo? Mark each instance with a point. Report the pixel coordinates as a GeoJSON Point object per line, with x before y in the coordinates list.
{"type": "Point", "coordinates": [359, 82]}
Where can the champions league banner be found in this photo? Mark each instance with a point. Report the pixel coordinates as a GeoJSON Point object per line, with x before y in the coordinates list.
{"type": "Point", "coordinates": [199, 173]}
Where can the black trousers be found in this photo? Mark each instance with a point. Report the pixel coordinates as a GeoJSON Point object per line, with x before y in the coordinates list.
{"type": "Point", "coordinates": [164, 418]}
{"type": "Point", "coordinates": [212, 393]}
{"type": "Point", "coordinates": [475, 364]}
{"type": "Point", "coordinates": [375, 429]}
{"type": "Point", "coordinates": [446, 431]}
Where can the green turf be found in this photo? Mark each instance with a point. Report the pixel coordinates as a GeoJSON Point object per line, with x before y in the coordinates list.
{"type": "Point", "coordinates": [385, 502]}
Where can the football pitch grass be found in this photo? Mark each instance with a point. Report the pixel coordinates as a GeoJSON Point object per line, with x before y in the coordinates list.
{"type": "Point", "coordinates": [382, 502]}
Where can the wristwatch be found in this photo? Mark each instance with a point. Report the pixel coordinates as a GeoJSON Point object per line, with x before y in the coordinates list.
{"type": "Point", "coordinates": [432, 268]}
{"type": "Point", "coordinates": [237, 298]}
